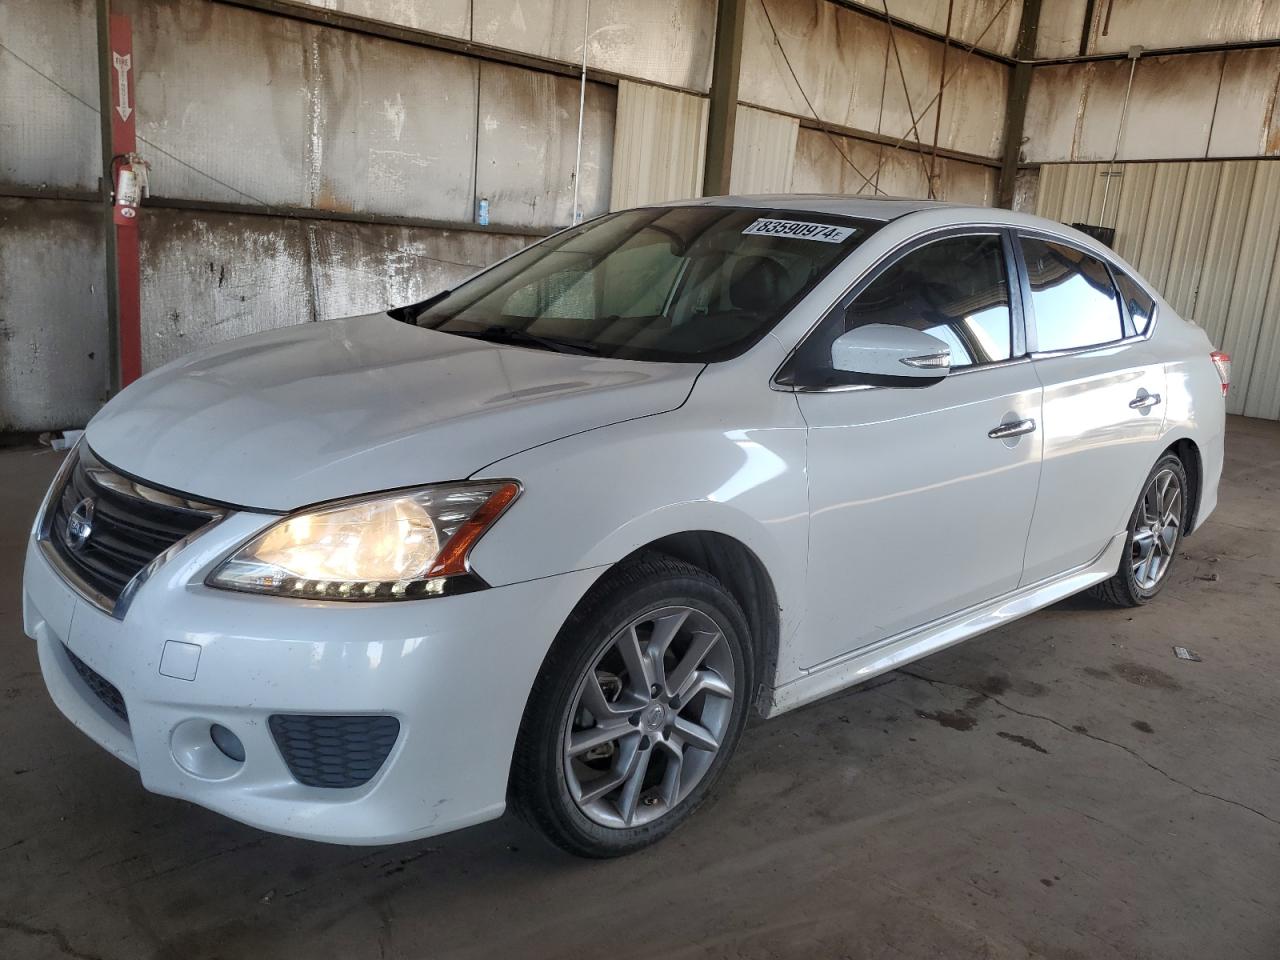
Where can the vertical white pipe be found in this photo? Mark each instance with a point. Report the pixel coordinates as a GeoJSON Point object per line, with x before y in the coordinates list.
{"type": "Point", "coordinates": [1134, 53]}
{"type": "Point", "coordinates": [582, 106]}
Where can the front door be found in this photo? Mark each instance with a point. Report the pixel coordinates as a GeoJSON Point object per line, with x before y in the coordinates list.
{"type": "Point", "coordinates": [917, 511]}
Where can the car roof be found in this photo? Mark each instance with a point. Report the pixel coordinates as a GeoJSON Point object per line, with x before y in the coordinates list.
{"type": "Point", "coordinates": [866, 208]}
{"type": "Point", "coordinates": [935, 213]}
{"type": "Point", "coordinates": [887, 209]}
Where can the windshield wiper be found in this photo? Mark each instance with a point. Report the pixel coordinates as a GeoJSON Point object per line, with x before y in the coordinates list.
{"type": "Point", "coordinates": [523, 338]}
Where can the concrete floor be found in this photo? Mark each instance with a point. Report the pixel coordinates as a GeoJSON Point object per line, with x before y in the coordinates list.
{"type": "Point", "coordinates": [1061, 788]}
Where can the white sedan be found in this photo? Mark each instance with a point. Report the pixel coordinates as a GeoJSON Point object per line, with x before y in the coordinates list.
{"type": "Point", "coordinates": [548, 537]}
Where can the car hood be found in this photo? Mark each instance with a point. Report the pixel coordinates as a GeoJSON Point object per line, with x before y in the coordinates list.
{"type": "Point", "coordinates": [333, 409]}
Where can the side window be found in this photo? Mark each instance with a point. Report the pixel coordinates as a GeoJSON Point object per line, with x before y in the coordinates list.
{"type": "Point", "coordinates": [1141, 306]}
{"type": "Point", "coordinates": [956, 289]}
{"type": "Point", "coordinates": [1072, 297]}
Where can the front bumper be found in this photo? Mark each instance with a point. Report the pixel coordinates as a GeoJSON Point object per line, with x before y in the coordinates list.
{"type": "Point", "coordinates": [455, 671]}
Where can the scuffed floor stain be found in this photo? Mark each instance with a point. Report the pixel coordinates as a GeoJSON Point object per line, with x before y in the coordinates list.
{"type": "Point", "coordinates": [1141, 676]}
{"type": "Point", "coordinates": [1022, 741]}
{"type": "Point", "coordinates": [951, 719]}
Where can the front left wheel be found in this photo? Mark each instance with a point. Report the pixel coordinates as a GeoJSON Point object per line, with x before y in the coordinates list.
{"type": "Point", "coordinates": [636, 711]}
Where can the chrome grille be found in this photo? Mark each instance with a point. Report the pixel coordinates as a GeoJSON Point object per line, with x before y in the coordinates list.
{"type": "Point", "coordinates": [102, 529]}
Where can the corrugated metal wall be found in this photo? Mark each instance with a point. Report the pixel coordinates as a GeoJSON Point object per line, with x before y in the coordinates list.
{"type": "Point", "coordinates": [1117, 25]}
{"type": "Point", "coordinates": [1207, 235]}
{"type": "Point", "coordinates": [660, 145]}
{"type": "Point", "coordinates": [764, 152]}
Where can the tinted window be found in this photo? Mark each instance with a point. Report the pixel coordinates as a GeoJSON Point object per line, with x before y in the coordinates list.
{"type": "Point", "coordinates": [663, 283]}
{"type": "Point", "coordinates": [1141, 306]}
{"type": "Point", "coordinates": [1071, 295]}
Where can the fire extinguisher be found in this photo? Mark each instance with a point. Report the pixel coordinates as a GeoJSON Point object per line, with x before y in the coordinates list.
{"type": "Point", "coordinates": [130, 188]}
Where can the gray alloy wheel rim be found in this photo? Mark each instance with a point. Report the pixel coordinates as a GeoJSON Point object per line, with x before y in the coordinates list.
{"type": "Point", "coordinates": [1156, 529]}
{"type": "Point", "coordinates": [648, 717]}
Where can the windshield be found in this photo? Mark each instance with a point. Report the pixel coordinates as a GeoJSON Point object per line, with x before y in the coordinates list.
{"type": "Point", "coordinates": [688, 283]}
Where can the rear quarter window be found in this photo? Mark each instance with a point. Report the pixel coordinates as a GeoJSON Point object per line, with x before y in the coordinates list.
{"type": "Point", "coordinates": [1140, 305]}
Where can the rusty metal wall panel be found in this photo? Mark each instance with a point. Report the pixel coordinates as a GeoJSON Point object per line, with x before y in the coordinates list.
{"type": "Point", "coordinates": [1073, 111]}
{"type": "Point", "coordinates": [961, 182]}
{"type": "Point", "coordinates": [318, 117]}
{"type": "Point", "coordinates": [973, 106]}
{"type": "Point", "coordinates": [1058, 32]}
{"type": "Point", "coordinates": [659, 148]}
{"type": "Point", "coordinates": [844, 89]}
{"type": "Point", "coordinates": [210, 277]}
{"type": "Point", "coordinates": [47, 136]}
{"type": "Point", "coordinates": [359, 268]}
{"type": "Point", "coordinates": [528, 133]}
{"type": "Point", "coordinates": [819, 168]}
{"type": "Point", "coordinates": [903, 173]}
{"type": "Point", "coordinates": [1167, 24]}
{"type": "Point", "coordinates": [1171, 107]}
{"type": "Point", "coordinates": [1055, 111]}
{"type": "Point", "coordinates": [450, 17]}
{"type": "Point", "coordinates": [53, 314]}
{"type": "Point", "coordinates": [847, 67]}
{"type": "Point", "coordinates": [991, 24]}
{"type": "Point", "coordinates": [1176, 110]}
{"type": "Point", "coordinates": [666, 41]}
{"type": "Point", "coordinates": [228, 93]}
{"type": "Point", "coordinates": [381, 143]}
{"type": "Point", "coordinates": [1247, 121]}
{"type": "Point", "coordinates": [764, 152]}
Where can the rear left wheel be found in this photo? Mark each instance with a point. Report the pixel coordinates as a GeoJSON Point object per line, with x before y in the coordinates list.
{"type": "Point", "coordinates": [1155, 529]}
{"type": "Point", "coordinates": [640, 703]}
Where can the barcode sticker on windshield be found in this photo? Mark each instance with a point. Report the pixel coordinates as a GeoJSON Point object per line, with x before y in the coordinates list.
{"type": "Point", "coordinates": [799, 229]}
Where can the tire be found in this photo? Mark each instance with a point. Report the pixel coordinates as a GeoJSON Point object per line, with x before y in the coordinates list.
{"type": "Point", "coordinates": [1132, 586]}
{"type": "Point", "coordinates": [607, 655]}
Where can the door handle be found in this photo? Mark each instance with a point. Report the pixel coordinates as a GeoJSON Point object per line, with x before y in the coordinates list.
{"type": "Point", "coordinates": [1015, 428]}
{"type": "Point", "coordinates": [1145, 402]}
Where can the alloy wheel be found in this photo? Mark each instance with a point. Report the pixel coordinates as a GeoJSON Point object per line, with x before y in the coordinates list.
{"type": "Point", "coordinates": [648, 717]}
{"type": "Point", "coordinates": [1156, 528]}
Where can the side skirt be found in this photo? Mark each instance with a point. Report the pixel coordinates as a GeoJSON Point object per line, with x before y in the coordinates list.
{"type": "Point", "coordinates": [893, 652]}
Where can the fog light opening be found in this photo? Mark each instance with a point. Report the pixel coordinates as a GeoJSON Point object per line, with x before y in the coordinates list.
{"type": "Point", "coordinates": [227, 742]}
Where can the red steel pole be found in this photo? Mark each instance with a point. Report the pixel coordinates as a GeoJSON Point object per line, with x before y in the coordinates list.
{"type": "Point", "coordinates": [124, 142]}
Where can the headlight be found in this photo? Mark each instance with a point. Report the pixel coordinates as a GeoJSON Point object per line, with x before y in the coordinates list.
{"type": "Point", "coordinates": [391, 547]}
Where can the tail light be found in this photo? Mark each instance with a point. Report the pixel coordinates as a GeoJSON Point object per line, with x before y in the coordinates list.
{"type": "Point", "coordinates": [1223, 362]}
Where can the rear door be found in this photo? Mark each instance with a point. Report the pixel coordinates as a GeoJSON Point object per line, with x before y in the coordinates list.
{"type": "Point", "coordinates": [1103, 404]}
{"type": "Point", "coordinates": [917, 510]}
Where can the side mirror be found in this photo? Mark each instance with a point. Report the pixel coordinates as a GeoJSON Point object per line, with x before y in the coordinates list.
{"type": "Point", "coordinates": [891, 355]}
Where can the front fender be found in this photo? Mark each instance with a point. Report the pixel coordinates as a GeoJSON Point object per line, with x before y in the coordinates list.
{"type": "Point", "coordinates": [592, 499]}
